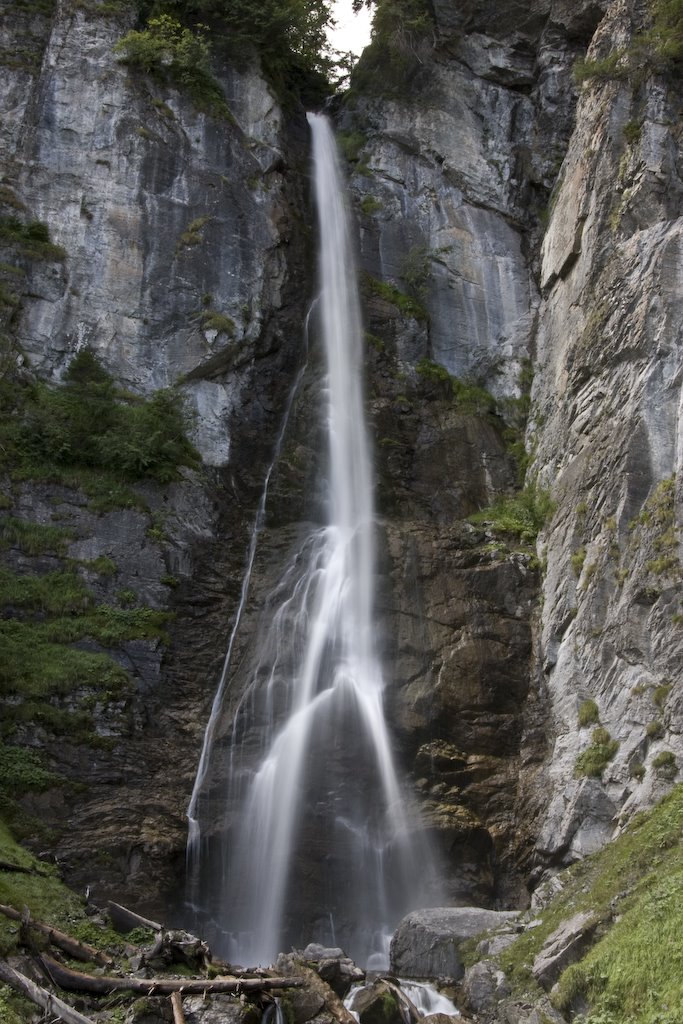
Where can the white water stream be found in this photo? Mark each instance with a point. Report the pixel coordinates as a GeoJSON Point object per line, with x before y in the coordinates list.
{"type": "Point", "coordinates": [318, 842]}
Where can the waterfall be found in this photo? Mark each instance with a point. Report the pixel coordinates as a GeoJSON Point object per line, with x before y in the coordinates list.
{"type": "Point", "coordinates": [318, 841]}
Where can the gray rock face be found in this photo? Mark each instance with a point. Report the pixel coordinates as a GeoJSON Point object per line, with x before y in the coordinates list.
{"type": "Point", "coordinates": [173, 223]}
{"type": "Point", "coordinates": [565, 946]}
{"type": "Point", "coordinates": [183, 266]}
{"type": "Point", "coordinates": [425, 945]}
{"type": "Point", "coordinates": [607, 419]}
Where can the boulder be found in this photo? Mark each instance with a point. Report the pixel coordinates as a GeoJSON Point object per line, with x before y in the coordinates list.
{"type": "Point", "coordinates": [378, 1004]}
{"type": "Point", "coordinates": [425, 944]}
{"type": "Point", "coordinates": [483, 986]}
{"type": "Point", "coordinates": [565, 946]}
{"type": "Point", "coordinates": [334, 966]}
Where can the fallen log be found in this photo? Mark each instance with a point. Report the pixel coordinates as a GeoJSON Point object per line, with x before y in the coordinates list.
{"type": "Point", "coordinates": [76, 981]}
{"type": "Point", "coordinates": [177, 1004]}
{"type": "Point", "coordinates": [40, 996]}
{"type": "Point", "coordinates": [124, 920]}
{"type": "Point", "coordinates": [74, 947]}
{"type": "Point", "coordinates": [7, 865]}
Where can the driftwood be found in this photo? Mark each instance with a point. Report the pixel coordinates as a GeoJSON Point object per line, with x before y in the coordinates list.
{"type": "Point", "coordinates": [75, 948]}
{"type": "Point", "coordinates": [76, 981]}
{"type": "Point", "coordinates": [124, 920]}
{"type": "Point", "coordinates": [177, 1004]}
{"type": "Point", "coordinates": [54, 1006]}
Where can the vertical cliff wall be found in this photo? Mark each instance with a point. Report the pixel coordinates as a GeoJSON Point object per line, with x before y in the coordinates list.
{"type": "Point", "coordinates": [177, 256]}
{"type": "Point", "coordinates": [533, 225]}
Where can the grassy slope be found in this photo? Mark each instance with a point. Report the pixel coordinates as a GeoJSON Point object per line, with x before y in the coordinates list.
{"type": "Point", "coordinates": [633, 974]}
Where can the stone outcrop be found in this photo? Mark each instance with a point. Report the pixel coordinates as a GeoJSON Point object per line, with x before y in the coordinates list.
{"type": "Point", "coordinates": [425, 944]}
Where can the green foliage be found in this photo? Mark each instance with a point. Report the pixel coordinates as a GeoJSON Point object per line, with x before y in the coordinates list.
{"type": "Point", "coordinates": [103, 566]}
{"type": "Point", "coordinates": [654, 730]}
{"type": "Point", "coordinates": [56, 593]}
{"type": "Point", "coordinates": [401, 30]}
{"type": "Point", "coordinates": [660, 694]}
{"type": "Point", "coordinates": [654, 50]}
{"type": "Point", "coordinates": [632, 132]}
{"type": "Point", "coordinates": [588, 714]}
{"type": "Point", "coordinates": [289, 37]}
{"type": "Point", "coordinates": [665, 764]}
{"type": "Point", "coordinates": [605, 69]}
{"type": "Point", "coordinates": [13, 1010]}
{"type": "Point", "coordinates": [595, 758]}
{"type": "Point", "coordinates": [173, 53]}
{"type": "Point", "coordinates": [415, 270]}
{"type": "Point", "coordinates": [468, 397]}
{"type": "Point", "coordinates": [89, 424]}
{"type": "Point", "coordinates": [433, 372]}
{"type": "Point", "coordinates": [370, 205]}
{"type": "Point", "coordinates": [577, 560]}
{"type": "Point", "coordinates": [33, 538]}
{"type": "Point", "coordinates": [36, 666]}
{"type": "Point", "coordinates": [351, 145]}
{"type": "Point", "coordinates": [22, 771]}
{"type": "Point", "coordinates": [406, 304]}
{"type": "Point", "coordinates": [211, 320]}
{"type": "Point", "coordinates": [471, 397]}
{"type": "Point", "coordinates": [47, 898]}
{"type": "Point", "coordinates": [520, 515]}
{"type": "Point", "coordinates": [192, 235]}
{"type": "Point", "coordinates": [31, 240]}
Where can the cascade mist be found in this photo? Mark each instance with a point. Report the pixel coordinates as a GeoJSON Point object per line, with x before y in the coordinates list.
{"type": "Point", "coordinates": [315, 815]}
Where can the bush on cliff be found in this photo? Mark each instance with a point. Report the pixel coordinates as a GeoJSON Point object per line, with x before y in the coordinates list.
{"type": "Point", "coordinates": [91, 423]}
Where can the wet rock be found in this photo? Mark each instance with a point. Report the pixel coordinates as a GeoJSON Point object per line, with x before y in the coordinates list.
{"type": "Point", "coordinates": [378, 1004]}
{"type": "Point", "coordinates": [425, 945]}
{"type": "Point", "coordinates": [334, 967]}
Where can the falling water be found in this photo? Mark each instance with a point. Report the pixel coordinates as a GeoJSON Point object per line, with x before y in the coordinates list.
{"type": "Point", "coordinates": [318, 842]}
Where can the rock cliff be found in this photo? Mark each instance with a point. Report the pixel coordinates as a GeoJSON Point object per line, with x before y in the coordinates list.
{"type": "Point", "coordinates": [519, 240]}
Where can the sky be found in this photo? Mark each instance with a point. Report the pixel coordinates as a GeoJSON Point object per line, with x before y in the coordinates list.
{"type": "Point", "coordinates": [353, 30]}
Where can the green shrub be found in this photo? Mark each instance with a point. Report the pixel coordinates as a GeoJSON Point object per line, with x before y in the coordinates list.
{"type": "Point", "coordinates": [370, 205]}
{"type": "Point", "coordinates": [214, 321]}
{"type": "Point", "coordinates": [31, 240]}
{"type": "Point", "coordinates": [588, 713]}
{"type": "Point", "coordinates": [406, 304]}
{"type": "Point", "coordinates": [660, 693]}
{"type": "Point", "coordinates": [521, 515]}
{"type": "Point", "coordinates": [654, 730]}
{"type": "Point", "coordinates": [172, 52]}
{"type": "Point", "coordinates": [577, 560]}
{"type": "Point", "coordinates": [665, 764]}
{"type": "Point", "coordinates": [90, 424]}
{"type": "Point", "coordinates": [595, 758]}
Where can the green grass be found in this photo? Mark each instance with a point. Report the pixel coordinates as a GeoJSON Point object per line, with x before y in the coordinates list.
{"type": "Point", "coordinates": [588, 714]}
{"type": "Point", "coordinates": [47, 898]}
{"type": "Point", "coordinates": [634, 971]}
{"type": "Point", "coordinates": [34, 666]}
{"type": "Point", "coordinates": [56, 593]}
{"type": "Point", "coordinates": [33, 538]}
